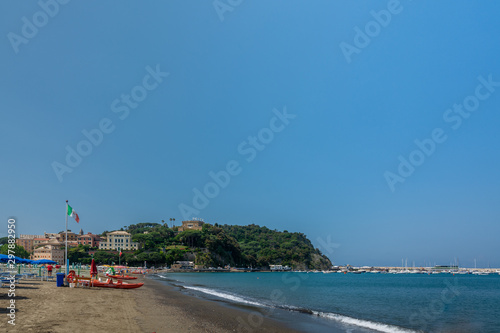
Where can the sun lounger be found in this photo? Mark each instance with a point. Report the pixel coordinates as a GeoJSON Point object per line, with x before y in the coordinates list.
{"type": "Point", "coordinates": [29, 275]}
{"type": "Point", "coordinates": [7, 282]}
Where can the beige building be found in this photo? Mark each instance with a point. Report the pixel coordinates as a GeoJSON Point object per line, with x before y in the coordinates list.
{"type": "Point", "coordinates": [191, 225]}
{"type": "Point", "coordinates": [49, 235]}
{"type": "Point", "coordinates": [51, 249]}
{"type": "Point", "coordinates": [22, 236]}
{"type": "Point", "coordinates": [38, 241]}
{"type": "Point", "coordinates": [72, 237]}
{"type": "Point", "coordinates": [118, 240]}
{"type": "Point", "coordinates": [27, 241]}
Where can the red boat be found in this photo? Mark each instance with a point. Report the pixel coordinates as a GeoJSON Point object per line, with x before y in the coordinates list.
{"type": "Point", "coordinates": [119, 284]}
{"type": "Point", "coordinates": [121, 277]}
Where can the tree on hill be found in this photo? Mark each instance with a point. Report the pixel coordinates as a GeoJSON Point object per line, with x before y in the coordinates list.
{"type": "Point", "coordinates": [79, 254]}
{"type": "Point", "coordinates": [105, 257]}
{"type": "Point", "coordinates": [266, 247]}
{"type": "Point", "coordinates": [192, 238]}
{"type": "Point", "coordinates": [141, 227]}
{"type": "Point", "coordinates": [4, 240]}
{"type": "Point", "coordinates": [220, 245]}
{"type": "Point", "coordinates": [18, 251]}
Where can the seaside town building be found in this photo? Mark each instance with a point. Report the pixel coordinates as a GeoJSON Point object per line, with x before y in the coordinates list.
{"type": "Point", "coordinates": [89, 239]}
{"type": "Point", "coordinates": [72, 237]}
{"type": "Point", "coordinates": [118, 240]}
{"type": "Point", "coordinates": [49, 235]}
{"type": "Point", "coordinates": [183, 265]}
{"type": "Point", "coordinates": [191, 225]}
{"type": "Point", "coordinates": [27, 241]}
{"type": "Point", "coordinates": [21, 236]}
{"type": "Point", "coordinates": [279, 268]}
{"type": "Point", "coordinates": [51, 249]}
{"type": "Point", "coordinates": [38, 241]}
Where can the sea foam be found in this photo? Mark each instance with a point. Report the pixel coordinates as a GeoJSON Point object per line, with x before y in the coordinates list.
{"type": "Point", "coordinates": [380, 327]}
{"type": "Point", "coordinates": [227, 296]}
{"type": "Point", "coordinates": [363, 323]}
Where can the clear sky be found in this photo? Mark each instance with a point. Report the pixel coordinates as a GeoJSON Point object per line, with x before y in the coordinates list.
{"type": "Point", "coordinates": [310, 109]}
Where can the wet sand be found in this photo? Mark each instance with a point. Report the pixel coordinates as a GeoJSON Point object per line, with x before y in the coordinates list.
{"type": "Point", "coordinates": [155, 307]}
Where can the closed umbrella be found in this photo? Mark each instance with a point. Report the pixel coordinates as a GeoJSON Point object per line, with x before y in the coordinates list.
{"type": "Point", "coordinates": [93, 270]}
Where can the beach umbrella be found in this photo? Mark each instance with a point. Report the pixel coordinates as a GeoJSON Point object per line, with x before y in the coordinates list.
{"type": "Point", "coordinates": [44, 261]}
{"type": "Point", "coordinates": [23, 261]}
{"type": "Point", "coordinates": [18, 260]}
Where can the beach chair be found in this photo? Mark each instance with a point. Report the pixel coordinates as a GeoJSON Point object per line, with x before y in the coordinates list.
{"type": "Point", "coordinates": [82, 281]}
{"type": "Point", "coordinates": [7, 282]}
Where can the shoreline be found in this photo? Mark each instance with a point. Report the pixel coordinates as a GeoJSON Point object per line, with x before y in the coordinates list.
{"type": "Point", "coordinates": [251, 318]}
{"type": "Point", "coordinates": [155, 307]}
{"type": "Point", "coordinates": [199, 315]}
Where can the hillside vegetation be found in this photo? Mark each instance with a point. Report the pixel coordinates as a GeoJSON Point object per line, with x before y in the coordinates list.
{"type": "Point", "coordinates": [213, 246]}
{"type": "Point", "coordinates": [263, 246]}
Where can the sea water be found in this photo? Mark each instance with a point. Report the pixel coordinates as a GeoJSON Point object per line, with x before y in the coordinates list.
{"type": "Point", "coordinates": [321, 302]}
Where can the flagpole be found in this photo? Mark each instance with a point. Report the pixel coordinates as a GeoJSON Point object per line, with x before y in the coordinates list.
{"type": "Point", "coordinates": [66, 261]}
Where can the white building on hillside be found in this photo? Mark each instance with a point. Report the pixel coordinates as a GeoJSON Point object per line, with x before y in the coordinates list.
{"type": "Point", "coordinates": [118, 240]}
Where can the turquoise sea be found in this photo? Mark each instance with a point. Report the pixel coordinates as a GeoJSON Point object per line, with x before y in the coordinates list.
{"type": "Point", "coordinates": [333, 302]}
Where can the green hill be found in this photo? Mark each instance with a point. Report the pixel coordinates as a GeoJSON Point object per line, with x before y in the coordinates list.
{"type": "Point", "coordinates": [262, 246]}
{"type": "Point", "coordinates": [214, 246]}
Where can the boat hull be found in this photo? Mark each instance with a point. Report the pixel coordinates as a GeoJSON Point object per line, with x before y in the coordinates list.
{"type": "Point", "coordinates": [117, 285]}
{"type": "Point", "coordinates": [120, 277]}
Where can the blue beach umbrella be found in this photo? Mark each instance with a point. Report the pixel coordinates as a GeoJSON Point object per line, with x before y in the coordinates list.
{"type": "Point", "coordinates": [43, 261]}
{"type": "Point", "coordinates": [24, 261]}
{"type": "Point", "coordinates": [18, 260]}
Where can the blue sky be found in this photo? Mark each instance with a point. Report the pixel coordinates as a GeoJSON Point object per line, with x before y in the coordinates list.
{"type": "Point", "coordinates": [231, 69]}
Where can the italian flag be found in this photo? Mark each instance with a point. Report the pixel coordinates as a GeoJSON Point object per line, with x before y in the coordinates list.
{"type": "Point", "coordinates": [72, 213]}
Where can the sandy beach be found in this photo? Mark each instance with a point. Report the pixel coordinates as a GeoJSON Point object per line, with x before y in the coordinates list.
{"type": "Point", "coordinates": [155, 307]}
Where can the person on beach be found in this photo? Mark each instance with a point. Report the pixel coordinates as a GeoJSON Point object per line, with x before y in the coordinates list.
{"type": "Point", "coordinates": [49, 270]}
